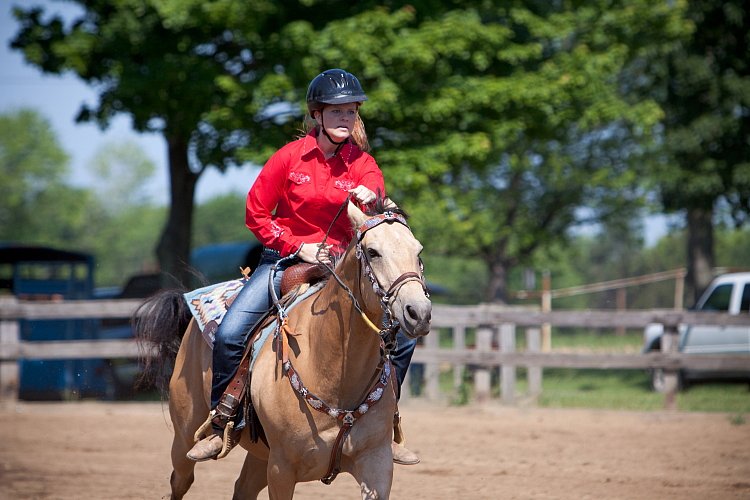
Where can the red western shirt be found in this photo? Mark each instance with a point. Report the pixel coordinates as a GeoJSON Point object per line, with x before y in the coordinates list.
{"type": "Point", "coordinates": [298, 193]}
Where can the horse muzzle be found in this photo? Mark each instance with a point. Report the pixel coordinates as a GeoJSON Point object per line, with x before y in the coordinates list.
{"type": "Point", "coordinates": [415, 317]}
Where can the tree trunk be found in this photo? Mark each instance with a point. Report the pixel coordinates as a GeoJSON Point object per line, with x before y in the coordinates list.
{"type": "Point", "coordinates": [700, 250]}
{"type": "Point", "coordinates": [497, 288]}
{"type": "Point", "coordinates": [173, 250]}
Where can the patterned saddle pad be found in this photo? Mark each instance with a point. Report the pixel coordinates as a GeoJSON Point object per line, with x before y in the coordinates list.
{"type": "Point", "coordinates": [209, 304]}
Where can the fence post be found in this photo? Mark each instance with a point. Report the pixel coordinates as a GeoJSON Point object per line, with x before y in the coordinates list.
{"type": "Point", "coordinates": [459, 344]}
{"type": "Point", "coordinates": [669, 345]}
{"type": "Point", "coordinates": [9, 368]}
{"type": "Point", "coordinates": [546, 307]}
{"type": "Point", "coordinates": [482, 374]}
{"type": "Point", "coordinates": [679, 290]}
{"type": "Point", "coordinates": [432, 369]}
{"type": "Point", "coordinates": [534, 373]}
{"type": "Point", "coordinates": [508, 371]}
{"type": "Point", "coordinates": [621, 299]}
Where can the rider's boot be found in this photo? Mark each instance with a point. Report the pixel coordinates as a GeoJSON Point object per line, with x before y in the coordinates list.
{"type": "Point", "coordinates": [207, 448]}
{"type": "Point", "coordinates": [220, 422]}
{"type": "Point", "coordinates": [401, 454]}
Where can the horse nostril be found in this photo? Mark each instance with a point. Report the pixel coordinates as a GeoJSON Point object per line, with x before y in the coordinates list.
{"type": "Point", "coordinates": [413, 314]}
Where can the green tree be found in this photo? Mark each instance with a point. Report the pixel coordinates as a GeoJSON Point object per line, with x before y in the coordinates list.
{"type": "Point", "coordinates": [121, 172]}
{"type": "Point", "coordinates": [494, 124]}
{"type": "Point", "coordinates": [123, 243]}
{"type": "Point", "coordinates": [704, 87]}
{"type": "Point", "coordinates": [206, 74]}
{"type": "Point", "coordinates": [167, 64]}
{"type": "Point", "coordinates": [221, 219]}
{"type": "Point", "coordinates": [128, 227]}
{"type": "Point", "coordinates": [33, 169]}
{"type": "Point", "coordinates": [499, 123]}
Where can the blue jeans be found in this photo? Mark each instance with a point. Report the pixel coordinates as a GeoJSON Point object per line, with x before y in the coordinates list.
{"type": "Point", "coordinates": [401, 358]}
{"type": "Point", "coordinates": [250, 306]}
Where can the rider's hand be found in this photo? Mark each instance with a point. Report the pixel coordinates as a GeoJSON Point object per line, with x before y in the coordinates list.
{"type": "Point", "coordinates": [362, 194]}
{"type": "Point", "coordinates": [308, 252]}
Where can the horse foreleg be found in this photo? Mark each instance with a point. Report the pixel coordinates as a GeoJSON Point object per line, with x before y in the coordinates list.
{"type": "Point", "coordinates": [374, 473]}
{"type": "Point", "coordinates": [182, 470]}
{"type": "Point", "coordinates": [281, 480]}
{"type": "Point", "coordinates": [252, 478]}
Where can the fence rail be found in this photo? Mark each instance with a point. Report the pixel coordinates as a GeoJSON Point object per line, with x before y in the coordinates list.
{"type": "Point", "coordinates": [495, 344]}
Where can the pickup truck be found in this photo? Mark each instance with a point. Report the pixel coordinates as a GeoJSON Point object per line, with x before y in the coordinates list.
{"type": "Point", "coordinates": [729, 293]}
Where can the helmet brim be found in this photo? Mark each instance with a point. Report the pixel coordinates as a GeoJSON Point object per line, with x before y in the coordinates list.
{"type": "Point", "coordinates": [343, 99]}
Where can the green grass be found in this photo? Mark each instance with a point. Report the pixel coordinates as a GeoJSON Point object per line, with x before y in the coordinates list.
{"type": "Point", "coordinates": [733, 397]}
{"type": "Point", "coordinates": [591, 340]}
{"type": "Point", "coordinates": [603, 389]}
{"type": "Point", "coordinates": [629, 390]}
{"type": "Point", "coordinates": [613, 390]}
{"type": "Point", "coordinates": [605, 341]}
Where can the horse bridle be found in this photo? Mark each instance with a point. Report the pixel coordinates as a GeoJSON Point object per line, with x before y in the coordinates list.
{"type": "Point", "coordinates": [390, 326]}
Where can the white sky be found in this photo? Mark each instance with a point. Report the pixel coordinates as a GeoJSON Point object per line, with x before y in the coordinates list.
{"type": "Point", "coordinates": [59, 98]}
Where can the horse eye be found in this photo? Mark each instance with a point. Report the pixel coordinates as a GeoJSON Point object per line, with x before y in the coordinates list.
{"type": "Point", "coordinates": [372, 253]}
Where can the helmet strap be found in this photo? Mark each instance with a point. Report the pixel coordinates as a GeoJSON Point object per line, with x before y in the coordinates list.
{"type": "Point", "coordinates": [330, 139]}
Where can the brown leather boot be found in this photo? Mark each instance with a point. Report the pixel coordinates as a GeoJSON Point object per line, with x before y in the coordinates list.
{"type": "Point", "coordinates": [207, 448]}
{"type": "Point", "coordinates": [402, 455]}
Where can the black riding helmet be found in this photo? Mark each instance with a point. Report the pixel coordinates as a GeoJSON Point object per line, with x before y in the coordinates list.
{"type": "Point", "coordinates": [333, 86]}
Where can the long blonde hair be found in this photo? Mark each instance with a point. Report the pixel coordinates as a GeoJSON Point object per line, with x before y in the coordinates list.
{"type": "Point", "coordinates": [359, 135]}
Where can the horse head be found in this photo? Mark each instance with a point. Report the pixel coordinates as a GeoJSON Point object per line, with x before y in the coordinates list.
{"type": "Point", "coordinates": [389, 254]}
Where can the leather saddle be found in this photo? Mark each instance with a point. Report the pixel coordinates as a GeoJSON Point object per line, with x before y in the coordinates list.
{"type": "Point", "coordinates": [300, 274]}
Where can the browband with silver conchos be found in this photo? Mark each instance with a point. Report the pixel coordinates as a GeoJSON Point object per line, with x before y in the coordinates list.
{"type": "Point", "coordinates": [379, 219]}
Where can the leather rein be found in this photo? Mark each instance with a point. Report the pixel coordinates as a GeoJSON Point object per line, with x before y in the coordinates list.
{"type": "Point", "coordinates": [383, 372]}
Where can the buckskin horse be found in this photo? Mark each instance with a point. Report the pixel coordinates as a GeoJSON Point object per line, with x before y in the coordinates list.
{"type": "Point", "coordinates": [322, 387]}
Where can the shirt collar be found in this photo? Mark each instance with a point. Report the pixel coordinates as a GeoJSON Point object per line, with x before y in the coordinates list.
{"type": "Point", "coordinates": [310, 144]}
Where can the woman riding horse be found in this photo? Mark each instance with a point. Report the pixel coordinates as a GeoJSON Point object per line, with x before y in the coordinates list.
{"type": "Point", "coordinates": [289, 209]}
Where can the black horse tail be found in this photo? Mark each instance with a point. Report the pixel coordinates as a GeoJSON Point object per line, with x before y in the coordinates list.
{"type": "Point", "coordinates": [159, 324]}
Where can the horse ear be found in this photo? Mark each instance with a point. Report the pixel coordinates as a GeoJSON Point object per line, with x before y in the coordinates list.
{"type": "Point", "coordinates": [356, 215]}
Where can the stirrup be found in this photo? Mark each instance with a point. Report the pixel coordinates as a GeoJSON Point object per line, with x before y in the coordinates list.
{"type": "Point", "coordinates": [227, 439]}
{"type": "Point", "coordinates": [398, 433]}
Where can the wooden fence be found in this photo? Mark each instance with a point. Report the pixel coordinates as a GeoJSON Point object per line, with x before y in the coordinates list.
{"type": "Point", "coordinates": [495, 343]}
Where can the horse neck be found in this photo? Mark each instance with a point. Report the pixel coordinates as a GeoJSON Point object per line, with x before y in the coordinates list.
{"type": "Point", "coordinates": [343, 344]}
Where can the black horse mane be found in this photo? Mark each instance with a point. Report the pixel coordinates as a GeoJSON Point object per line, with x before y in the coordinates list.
{"type": "Point", "coordinates": [384, 204]}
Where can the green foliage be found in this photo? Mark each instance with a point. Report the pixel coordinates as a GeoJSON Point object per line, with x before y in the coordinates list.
{"type": "Point", "coordinates": [499, 127]}
{"type": "Point", "coordinates": [221, 219]}
{"type": "Point", "coordinates": [701, 161]}
{"type": "Point", "coordinates": [464, 279]}
{"type": "Point", "coordinates": [121, 171]}
{"type": "Point", "coordinates": [495, 124]}
{"type": "Point", "coordinates": [731, 248]}
{"type": "Point", "coordinates": [707, 81]}
{"type": "Point", "coordinates": [36, 206]}
{"type": "Point", "coordinates": [123, 244]}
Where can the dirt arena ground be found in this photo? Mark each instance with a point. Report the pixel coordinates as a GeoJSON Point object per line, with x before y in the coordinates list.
{"type": "Point", "coordinates": [121, 451]}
